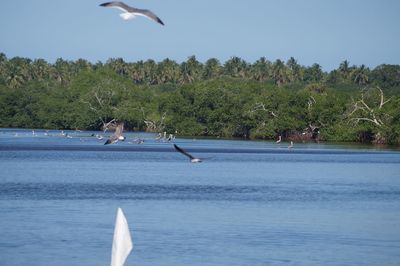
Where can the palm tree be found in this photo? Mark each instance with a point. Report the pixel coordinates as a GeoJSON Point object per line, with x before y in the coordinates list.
{"type": "Point", "coordinates": [168, 71]}
{"type": "Point", "coordinates": [137, 72]}
{"type": "Point", "coordinates": [279, 73]}
{"type": "Point", "coordinates": [150, 72]}
{"type": "Point", "coordinates": [19, 71]}
{"type": "Point", "coordinates": [313, 73]}
{"type": "Point", "coordinates": [211, 69]}
{"type": "Point", "coordinates": [344, 70]}
{"type": "Point", "coordinates": [3, 67]}
{"type": "Point", "coordinates": [62, 71]}
{"type": "Point", "coordinates": [360, 75]}
{"type": "Point", "coordinates": [191, 70]}
{"type": "Point", "coordinates": [295, 70]}
{"type": "Point", "coordinates": [260, 70]}
{"type": "Point", "coordinates": [40, 69]}
{"type": "Point", "coordinates": [118, 65]}
{"type": "Point", "coordinates": [3, 58]}
{"type": "Point", "coordinates": [236, 67]}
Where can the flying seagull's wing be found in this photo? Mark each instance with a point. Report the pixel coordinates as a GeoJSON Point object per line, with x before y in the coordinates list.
{"type": "Point", "coordinates": [149, 14]}
{"type": "Point", "coordinates": [120, 5]}
{"type": "Point", "coordinates": [119, 129]}
{"type": "Point", "coordinates": [183, 152]}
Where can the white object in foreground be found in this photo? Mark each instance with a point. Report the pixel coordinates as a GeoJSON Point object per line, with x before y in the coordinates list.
{"type": "Point", "coordinates": [122, 242]}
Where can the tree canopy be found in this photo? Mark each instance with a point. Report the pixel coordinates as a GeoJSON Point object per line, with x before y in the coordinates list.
{"type": "Point", "coordinates": [236, 98]}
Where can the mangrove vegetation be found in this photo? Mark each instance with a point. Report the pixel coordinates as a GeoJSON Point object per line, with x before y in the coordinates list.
{"type": "Point", "coordinates": [259, 100]}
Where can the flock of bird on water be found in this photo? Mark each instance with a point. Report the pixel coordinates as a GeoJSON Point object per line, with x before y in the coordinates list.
{"type": "Point", "coordinates": [118, 136]}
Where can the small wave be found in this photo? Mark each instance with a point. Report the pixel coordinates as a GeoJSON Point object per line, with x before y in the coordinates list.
{"type": "Point", "coordinates": [85, 191]}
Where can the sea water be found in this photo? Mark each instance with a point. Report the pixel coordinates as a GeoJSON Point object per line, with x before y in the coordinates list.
{"type": "Point", "coordinates": [247, 203]}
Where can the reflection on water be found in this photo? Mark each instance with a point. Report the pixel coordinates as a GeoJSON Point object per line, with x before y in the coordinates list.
{"type": "Point", "coordinates": [248, 203]}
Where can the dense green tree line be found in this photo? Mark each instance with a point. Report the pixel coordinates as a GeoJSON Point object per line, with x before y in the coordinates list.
{"type": "Point", "coordinates": [263, 99]}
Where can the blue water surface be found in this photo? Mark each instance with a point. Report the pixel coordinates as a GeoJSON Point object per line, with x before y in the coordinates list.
{"type": "Point", "coordinates": [247, 203]}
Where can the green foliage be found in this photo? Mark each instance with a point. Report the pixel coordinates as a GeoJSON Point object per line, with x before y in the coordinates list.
{"type": "Point", "coordinates": [234, 99]}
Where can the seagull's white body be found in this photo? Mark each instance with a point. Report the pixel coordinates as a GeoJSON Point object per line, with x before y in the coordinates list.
{"type": "Point", "coordinates": [127, 16]}
{"type": "Point", "coordinates": [195, 160]}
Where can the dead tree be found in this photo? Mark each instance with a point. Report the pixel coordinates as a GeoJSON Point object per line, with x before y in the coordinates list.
{"type": "Point", "coordinates": [154, 125]}
{"type": "Point", "coordinates": [261, 107]}
{"type": "Point", "coordinates": [100, 102]}
{"type": "Point", "coordinates": [363, 111]}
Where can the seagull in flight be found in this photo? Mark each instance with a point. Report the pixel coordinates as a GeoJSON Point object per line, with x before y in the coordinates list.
{"type": "Point", "coordinates": [117, 135]}
{"type": "Point", "coordinates": [131, 12]}
{"type": "Point", "coordinates": [192, 159]}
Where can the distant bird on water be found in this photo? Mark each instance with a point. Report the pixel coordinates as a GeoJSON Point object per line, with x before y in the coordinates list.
{"type": "Point", "coordinates": [291, 145]}
{"type": "Point", "coordinates": [117, 135]}
{"type": "Point", "coordinates": [131, 12]}
{"type": "Point", "coordinates": [192, 159]}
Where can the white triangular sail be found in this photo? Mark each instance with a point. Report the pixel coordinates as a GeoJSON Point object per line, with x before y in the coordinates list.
{"type": "Point", "coordinates": [122, 242]}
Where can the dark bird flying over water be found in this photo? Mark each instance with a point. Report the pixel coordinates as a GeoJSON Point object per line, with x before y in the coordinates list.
{"type": "Point", "coordinates": [131, 12]}
{"type": "Point", "coordinates": [117, 135]}
{"type": "Point", "coordinates": [192, 159]}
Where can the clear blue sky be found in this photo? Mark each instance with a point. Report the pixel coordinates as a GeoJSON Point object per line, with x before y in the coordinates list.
{"type": "Point", "coordinates": [312, 31]}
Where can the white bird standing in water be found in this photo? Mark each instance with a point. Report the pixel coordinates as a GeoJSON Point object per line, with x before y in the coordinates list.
{"type": "Point", "coordinates": [279, 139]}
{"type": "Point", "coordinates": [192, 159]}
{"type": "Point", "coordinates": [131, 12]}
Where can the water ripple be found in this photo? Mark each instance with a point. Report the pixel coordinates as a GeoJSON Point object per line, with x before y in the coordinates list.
{"type": "Point", "coordinates": [85, 191]}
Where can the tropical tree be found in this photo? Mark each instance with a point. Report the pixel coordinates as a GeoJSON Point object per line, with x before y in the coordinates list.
{"type": "Point", "coordinates": [279, 73]}
{"type": "Point", "coordinates": [313, 73]}
{"type": "Point", "coordinates": [344, 70]}
{"type": "Point", "coordinates": [168, 71]}
{"type": "Point", "coordinates": [261, 69]}
{"type": "Point", "coordinates": [150, 70]}
{"type": "Point", "coordinates": [118, 65]}
{"type": "Point", "coordinates": [212, 69]}
{"type": "Point", "coordinates": [191, 70]}
{"type": "Point", "coordinates": [360, 75]}
{"type": "Point", "coordinates": [236, 67]}
{"type": "Point", "coordinates": [295, 70]}
{"type": "Point", "coordinates": [386, 75]}
{"type": "Point", "coordinates": [62, 71]}
{"type": "Point", "coordinates": [41, 70]}
{"type": "Point", "coordinates": [3, 68]}
{"type": "Point", "coordinates": [18, 72]}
